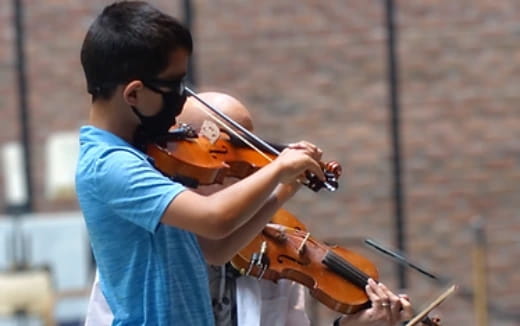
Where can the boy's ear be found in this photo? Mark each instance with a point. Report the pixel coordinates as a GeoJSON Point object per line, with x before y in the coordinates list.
{"type": "Point", "coordinates": [131, 91]}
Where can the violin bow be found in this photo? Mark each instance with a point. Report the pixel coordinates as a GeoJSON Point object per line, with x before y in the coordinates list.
{"type": "Point", "coordinates": [400, 258]}
{"type": "Point", "coordinates": [421, 315]}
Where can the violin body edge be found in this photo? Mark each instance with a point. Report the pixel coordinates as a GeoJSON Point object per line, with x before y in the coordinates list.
{"type": "Point", "coordinates": [307, 268]}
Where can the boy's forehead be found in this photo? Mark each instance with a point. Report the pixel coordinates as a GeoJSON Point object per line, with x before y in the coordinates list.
{"type": "Point", "coordinates": [177, 65]}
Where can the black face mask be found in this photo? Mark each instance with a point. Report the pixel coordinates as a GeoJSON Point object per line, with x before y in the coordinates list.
{"type": "Point", "coordinates": [158, 124]}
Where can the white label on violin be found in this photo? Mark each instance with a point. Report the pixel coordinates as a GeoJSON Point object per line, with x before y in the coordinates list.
{"type": "Point", "coordinates": [210, 130]}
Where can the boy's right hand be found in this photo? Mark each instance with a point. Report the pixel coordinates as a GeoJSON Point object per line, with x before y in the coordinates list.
{"type": "Point", "coordinates": [298, 158]}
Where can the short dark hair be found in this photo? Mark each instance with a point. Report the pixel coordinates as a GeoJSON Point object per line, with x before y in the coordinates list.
{"type": "Point", "coordinates": [129, 40]}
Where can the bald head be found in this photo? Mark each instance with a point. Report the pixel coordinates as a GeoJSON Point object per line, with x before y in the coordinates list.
{"type": "Point", "coordinates": [193, 114]}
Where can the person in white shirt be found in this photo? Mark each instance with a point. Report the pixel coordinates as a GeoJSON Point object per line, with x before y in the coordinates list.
{"type": "Point", "coordinates": [243, 300]}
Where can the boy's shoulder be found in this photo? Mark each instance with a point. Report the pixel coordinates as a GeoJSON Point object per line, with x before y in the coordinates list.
{"type": "Point", "coordinates": [99, 143]}
{"type": "Point", "coordinates": [103, 153]}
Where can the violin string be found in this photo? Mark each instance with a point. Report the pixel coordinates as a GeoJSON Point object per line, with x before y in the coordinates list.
{"type": "Point", "coordinates": [212, 112]}
{"type": "Point", "coordinates": [345, 269]}
{"type": "Point", "coordinates": [341, 266]}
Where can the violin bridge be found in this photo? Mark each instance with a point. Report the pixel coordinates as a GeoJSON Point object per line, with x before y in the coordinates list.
{"type": "Point", "coordinates": [302, 245]}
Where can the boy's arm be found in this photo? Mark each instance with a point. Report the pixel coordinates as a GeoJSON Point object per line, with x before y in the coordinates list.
{"type": "Point", "coordinates": [220, 251]}
{"type": "Point", "coordinates": [217, 216]}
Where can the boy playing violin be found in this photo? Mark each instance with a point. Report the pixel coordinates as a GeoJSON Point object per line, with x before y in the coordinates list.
{"type": "Point", "coordinates": [143, 227]}
{"type": "Point", "coordinates": [247, 300]}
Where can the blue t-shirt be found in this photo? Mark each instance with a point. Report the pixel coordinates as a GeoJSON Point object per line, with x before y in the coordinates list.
{"type": "Point", "coordinates": [150, 273]}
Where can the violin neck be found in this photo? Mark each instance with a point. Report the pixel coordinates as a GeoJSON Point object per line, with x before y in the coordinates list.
{"type": "Point", "coordinates": [345, 269]}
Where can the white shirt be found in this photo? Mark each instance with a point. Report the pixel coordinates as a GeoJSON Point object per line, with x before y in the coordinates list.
{"type": "Point", "coordinates": [259, 303]}
{"type": "Point", "coordinates": [98, 311]}
{"type": "Point", "coordinates": [265, 303]}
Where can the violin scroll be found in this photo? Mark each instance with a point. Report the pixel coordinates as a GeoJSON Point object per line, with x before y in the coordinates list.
{"type": "Point", "coordinates": [332, 171]}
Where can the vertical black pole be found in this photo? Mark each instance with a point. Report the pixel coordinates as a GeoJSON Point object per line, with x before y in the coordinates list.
{"type": "Point", "coordinates": [22, 99]}
{"type": "Point", "coordinates": [393, 84]}
{"type": "Point", "coordinates": [188, 22]}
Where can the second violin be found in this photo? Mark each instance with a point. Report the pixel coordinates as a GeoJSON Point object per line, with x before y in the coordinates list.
{"type": "Point", "coordinates": [335, 276]}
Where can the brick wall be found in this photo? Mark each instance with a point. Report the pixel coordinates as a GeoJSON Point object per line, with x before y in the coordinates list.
{"type": "Point", "coordinates": [316, 70]}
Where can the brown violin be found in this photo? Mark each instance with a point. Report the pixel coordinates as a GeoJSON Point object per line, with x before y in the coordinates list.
{"type": "Point", "coordinates": [334, 275]}
{"type": "Point", "coordinates": [196, 160]}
